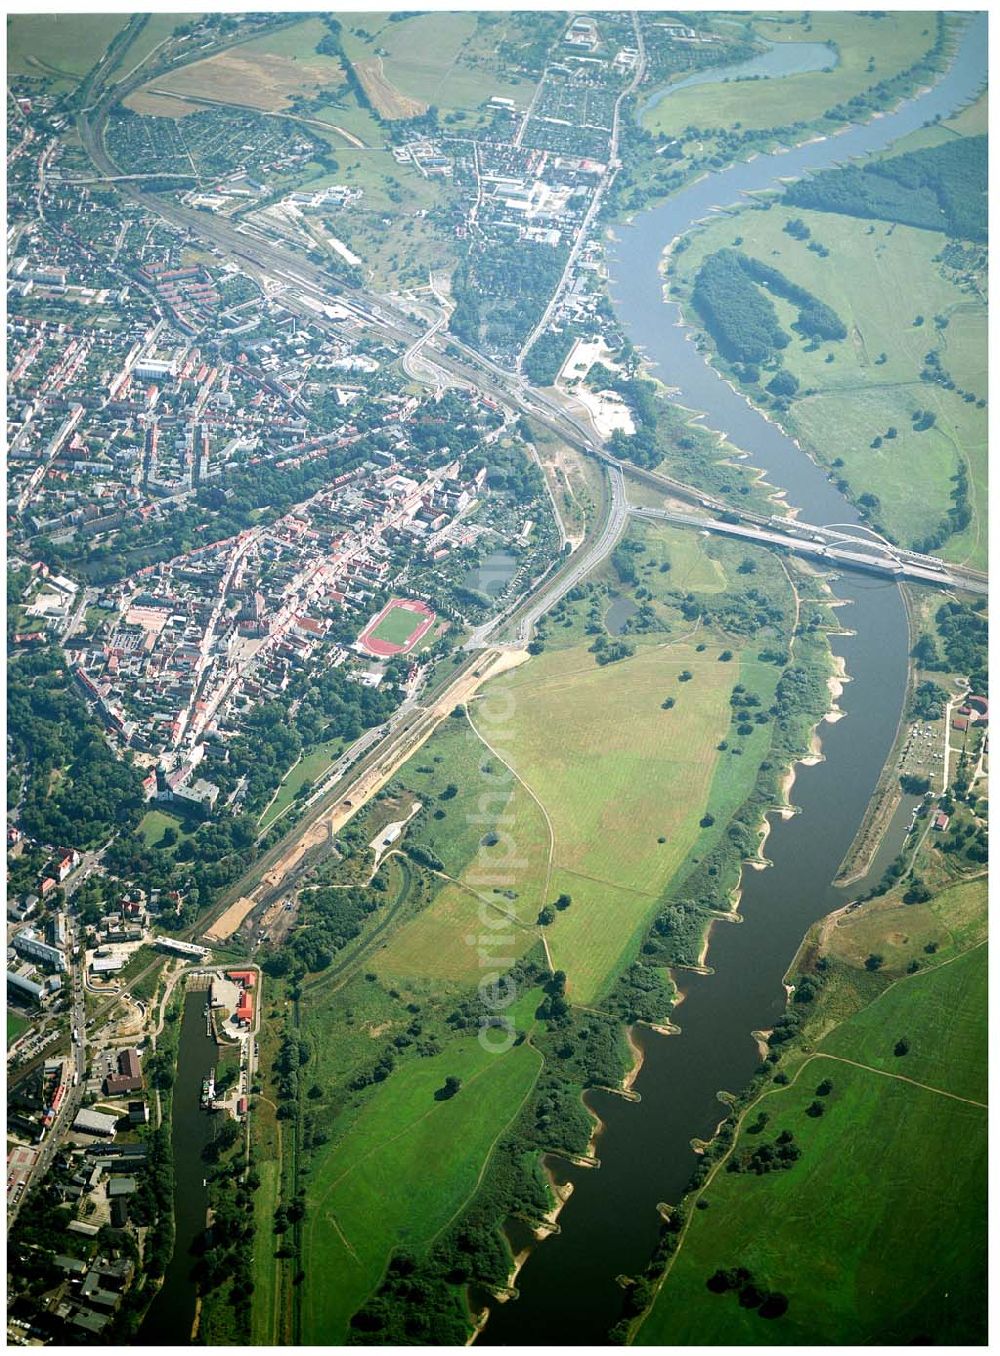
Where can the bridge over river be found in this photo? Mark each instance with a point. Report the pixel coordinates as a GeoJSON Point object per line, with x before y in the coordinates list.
{"type": "Point", "coordinates": [834, 545]}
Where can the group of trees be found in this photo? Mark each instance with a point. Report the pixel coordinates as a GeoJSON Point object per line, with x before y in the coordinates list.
{"type": "Point", "coordinates": [768, 1303]}
{"type": "Point", "coordinates": [329, 918]}
{"type": "Point", "coordinates": [500, 290]}
{"type": "Point", "coordinates": [730, 295]}
{"type": "Point", "coordinates": [76, 793]}
{"type": "Point", "coordinates": [940, 188]}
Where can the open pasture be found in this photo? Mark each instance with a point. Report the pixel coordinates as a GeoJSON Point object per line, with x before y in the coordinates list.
{"type": "Point", "coordinates": [59, 44]}
{"type": "Point", "coordinates": [616, 774]}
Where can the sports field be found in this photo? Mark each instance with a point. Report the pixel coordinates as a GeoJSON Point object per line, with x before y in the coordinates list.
{"type": "Point", "coordinates": [16, 1025]}
{"type": "Point", "coordinates": [397, 628]}
{"type": "Point", "coordinates": [408, 1165]}
{"type": "Point", "coordinates": [853, 391]}
{"type": "Point", "coordinates": [894, 42]}
{"type": "Point", "coordinates": [851, 1233]}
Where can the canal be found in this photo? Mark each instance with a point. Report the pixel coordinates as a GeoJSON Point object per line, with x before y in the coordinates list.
{"type": "Point", "coordinates": [171, 1315]}
{"type": "Point", "coordinates": [567, 1289]}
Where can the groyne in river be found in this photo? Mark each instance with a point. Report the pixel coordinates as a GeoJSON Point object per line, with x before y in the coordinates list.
{"type": "Point", "coordinates": [568, 1290]}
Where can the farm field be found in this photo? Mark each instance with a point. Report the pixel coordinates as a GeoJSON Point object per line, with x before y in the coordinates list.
{"type": "Point", "coordinates": [263, 74]}
{"type": "Point", "coordinates": [895, 41]}
{"type": "Point", "coordinates": [59, 44]}
{"type": "Point", "coordinates": [843, 1231]}
{"type": "Point", "coordinates": [423, 64]}
{"type": "Point", "coordinates": [843, 404]}
{"type": "Point", "coordinates": [404, 1170]}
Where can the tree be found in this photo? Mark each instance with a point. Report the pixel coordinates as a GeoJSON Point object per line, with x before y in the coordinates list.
{"type": "Point", "coordinates": [449, 1089]}
{"type": "Point", "coordinates": [546, 916]}
{"type": "Point", "coordinates": [902, 1047]}
{"type": "Point", "coordinates": [874, 962]}
{"type": "Point", "coordinates": [564, 901]}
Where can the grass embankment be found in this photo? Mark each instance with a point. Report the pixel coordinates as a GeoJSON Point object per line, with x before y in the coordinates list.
{"type": "Point", "coordinates": [853, 391]}
{"type": "Point", "coordinates": [310, 768]}
{"type": "Point", "coordinates": [900, 1077]}
{"type": "Point", "coordinates": [16, 1026]}
{"type": "Point", "coordinates": [266, 1147]}
{"type": "Point", "coordinates": [869, 50]}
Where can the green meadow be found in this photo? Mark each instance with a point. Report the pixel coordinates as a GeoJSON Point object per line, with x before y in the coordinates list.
{"type": "Point", "coordinates": [59, 44]}
{"type": "Point", "coordinates": [406, 1169]}
{"type": "Point", "coordinates": [850, 1233]}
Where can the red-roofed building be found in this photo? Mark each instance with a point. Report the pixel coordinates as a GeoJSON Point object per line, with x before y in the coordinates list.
{"type": "Point", "coordinates": [248, 978]}
{"type": "Point", "coordinates": [244, 1012]}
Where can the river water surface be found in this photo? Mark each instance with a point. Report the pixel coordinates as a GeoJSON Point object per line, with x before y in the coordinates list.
{"type": "Point", "coordinates": [568, 1290]}
{"type": "Point", "coordinates": [171, 1315]}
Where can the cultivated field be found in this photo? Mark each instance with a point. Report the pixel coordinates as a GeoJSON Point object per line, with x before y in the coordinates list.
{"type": "Point", "coordinates": [424, 59]}
{"type": "Point", "coordinates": [406, 1168]}
{"type": "Point", "coordinates": [844, 1232]}
{"type": "Point", "coordinates": [894, 42]}
{"type": "Point", "coordinates": [263, 74]}
{"type": "Point", "coordinates": [59, 44]}
{"type": "Point", "coordinates": [849, 394]}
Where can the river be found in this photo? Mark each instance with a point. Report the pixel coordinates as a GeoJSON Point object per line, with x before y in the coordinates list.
{"type": "Point", "coordinates": [171, 1315]}
{"type": "Point", "coordinates": [567, 1289]}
